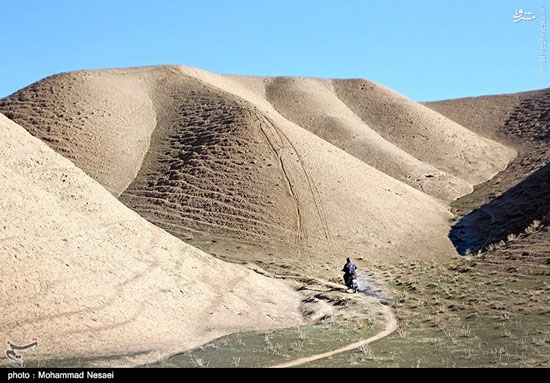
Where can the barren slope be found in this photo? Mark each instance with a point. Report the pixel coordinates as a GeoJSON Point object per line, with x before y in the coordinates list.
{"type": "Point", "coordinates": [213, 169]}
{"type": "Point", "coordinates": [90, 277]}
{"type": "Point", "coordinates": [394, 134]}
{"type": "Point", "coordinates": [429, 136]}
{"type": "Point", "coordinates": [226, 171]}
{"type": "Point", "coordinates": [86, 116]}
{"type": "Point", "coordinates": [295, 192]}
{"type": "Point", "coordinates": [314, 105]}
{"type": "Point", "coordinates": [511, 201]}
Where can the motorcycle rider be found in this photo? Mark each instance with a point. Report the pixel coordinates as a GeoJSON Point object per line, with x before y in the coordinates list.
{"type": "Point", "coordinates": [350, 269]}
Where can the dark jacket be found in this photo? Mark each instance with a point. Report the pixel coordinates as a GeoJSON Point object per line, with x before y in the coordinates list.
{"type": "Point", "coordinates": [350, 268]}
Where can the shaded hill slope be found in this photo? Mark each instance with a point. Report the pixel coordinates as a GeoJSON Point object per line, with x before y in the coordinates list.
{"type": "Point", "coordinates": [508, 204]}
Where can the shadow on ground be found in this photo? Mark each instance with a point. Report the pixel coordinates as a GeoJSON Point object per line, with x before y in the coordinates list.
{"type": "Point", "coordinates": [509, 214]}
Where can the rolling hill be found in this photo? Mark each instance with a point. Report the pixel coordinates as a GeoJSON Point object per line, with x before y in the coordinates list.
{"type": "Point", "coordinates": [92, 279]}
{"type": "Point", "coordinates": [517, 200]}
{"type": "Point", "coordinates": [298, 169]}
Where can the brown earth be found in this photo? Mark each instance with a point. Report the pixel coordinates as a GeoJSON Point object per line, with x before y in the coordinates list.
{"type": "Point", "coordinates": [290, 172]}
{"type": "Point", "coordinates": [231, 167]}
{"type": "Point", "coordinates": [90, 277]}
{"type": "Point", "coordinates": [505, 207]}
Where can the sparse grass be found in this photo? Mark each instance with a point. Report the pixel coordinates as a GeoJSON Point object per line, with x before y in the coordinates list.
{"type": "Point", "coordinates": [236, 361]}
{"type": "Point", "coordinates": [536, 225]}
{"type": "Point", "coordinates": [533, 228]}
{"type": "Point", "coordinates": [367, 352]}
{"type": "Point", "coordinates": [450, 315]}
{"type": "Point", "coordinates": [256, 349]}
{"type": "Point", "coordinates": [512, 237]}
{"type": "Point", "coordinates": [461, 316]}
{"type": "Point", "coordinates": [199, 362]}
{"type": "Point", "coordinates": [301, 334]}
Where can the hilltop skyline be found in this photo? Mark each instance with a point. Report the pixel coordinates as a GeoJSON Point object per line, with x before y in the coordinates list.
{"type": "Point", "coordinates": [426, 50]}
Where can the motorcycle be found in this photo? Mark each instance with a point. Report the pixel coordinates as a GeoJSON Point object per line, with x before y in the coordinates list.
{"type": "Point", "coordinates": [352, 283]}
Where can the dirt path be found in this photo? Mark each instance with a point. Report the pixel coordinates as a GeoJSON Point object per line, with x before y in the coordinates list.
{"type": "Point", "coordinates": [391, 326]}
{"type": "Point", "coordinates": [389, 317]}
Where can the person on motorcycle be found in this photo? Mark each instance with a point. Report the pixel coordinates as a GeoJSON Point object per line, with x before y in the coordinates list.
{"type": "Point", "coordinates": [350, 270]}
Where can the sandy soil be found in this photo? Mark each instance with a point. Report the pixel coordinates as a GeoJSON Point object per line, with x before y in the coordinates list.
{"type": "Point", "coordinates": [88, 276]}
{"type": "Point", "coordinates": [305, 170]}
{"type": "Point", "coordinates": [233, 159]}
{"type": "Point", "coordinates": [87, 117]}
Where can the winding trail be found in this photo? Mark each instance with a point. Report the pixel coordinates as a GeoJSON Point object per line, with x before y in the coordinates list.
{"type": "Point", "coordinates": [389, 317]}
{"type": "Point", "coordinates": [391, 326]}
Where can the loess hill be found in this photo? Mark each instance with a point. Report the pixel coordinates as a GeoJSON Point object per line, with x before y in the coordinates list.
{"type": "Point", "coordinates": [297, 168]}
{"type": "Point", "coordinates": [517, 200]}
{"type": "Point", "coordinates": [91, 278]}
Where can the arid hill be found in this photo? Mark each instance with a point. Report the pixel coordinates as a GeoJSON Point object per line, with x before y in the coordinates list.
{"type": "Point", "coordinates": [91, 278]}
{"type": "Point", "coordinates": [301, 169]}
{"type": "Point", "coordinates": [518, 198]}
{"type": "Point", "coordinates": [389, 132]}
{"type": "Point", "coordinates": [123, 190]}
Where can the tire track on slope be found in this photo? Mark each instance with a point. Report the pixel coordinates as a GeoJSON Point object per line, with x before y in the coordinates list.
{"type": "Point", "coordinates": [115, 293]}
{"type": "Point", "coordinates": [313, 189]}
{"type": "Point", "coordinates": [301, 233]}
{"type": "Point", "coordinates": [311, 186]}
